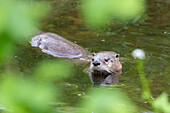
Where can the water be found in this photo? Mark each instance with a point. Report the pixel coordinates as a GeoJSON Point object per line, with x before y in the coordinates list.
{"type": "Point", "coordinates": [152, 35]}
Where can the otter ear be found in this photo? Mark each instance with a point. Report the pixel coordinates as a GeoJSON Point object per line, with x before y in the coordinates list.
{"type": "Point", "coordinates": [117, 56]}
{"type": "Point", "coordinates": [93, 54]}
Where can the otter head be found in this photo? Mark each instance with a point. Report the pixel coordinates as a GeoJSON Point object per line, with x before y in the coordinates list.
{"type": "Point", "coordinates": [105, 67]}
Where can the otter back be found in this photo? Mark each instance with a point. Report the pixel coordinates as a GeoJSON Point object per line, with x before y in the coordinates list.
{"type": "Point", "coordinates": [57, 46]}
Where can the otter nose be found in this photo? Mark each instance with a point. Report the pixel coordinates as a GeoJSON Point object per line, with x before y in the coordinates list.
{"type": "Point", "coordinates": [96, 63]}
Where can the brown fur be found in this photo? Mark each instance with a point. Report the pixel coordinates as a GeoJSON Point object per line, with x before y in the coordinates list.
{"type": "Point", "coordinates": [107, 72]}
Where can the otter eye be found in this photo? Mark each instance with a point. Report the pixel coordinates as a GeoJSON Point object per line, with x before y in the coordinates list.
{"type": "Point", "coordinates": [106, 60]}
{"type": "Point", "coordinates": [117, 55]}
{"type": "Point", "coordinates": [93, 54]}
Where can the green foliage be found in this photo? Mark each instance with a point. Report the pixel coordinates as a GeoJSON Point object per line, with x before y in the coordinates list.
{"type": "Point", "coordinates": [25, 95]}
{"type": "Point", "coordinates": [107, 101]}
{"type": "Point", "coordinates": [146, 91]}
{"type": "Point", "coordinates": [20, 94]}
{"type": "Point", "coordinates": [161, 103]}
{"type": "Point", "coordinates": [100, 12]}
{"type": "Point", "coordinates": [52, 70]}
{"type": "Point", "coordinates": [17, 18]}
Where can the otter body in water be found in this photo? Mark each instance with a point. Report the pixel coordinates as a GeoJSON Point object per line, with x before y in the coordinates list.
{"type": "Point", "coordinates": [105, 66]}
{"type": "Point", "coordinates": [58, 46]}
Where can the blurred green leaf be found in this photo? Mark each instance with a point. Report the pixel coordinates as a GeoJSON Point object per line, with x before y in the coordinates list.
{"type": "Point", "coordinates": [161, 103]}
{"type": "Point", "coordinates": [95, 11]}
{"type": "Point", "coordinates": [107, 101]}
{"type": "Point", "coordinates": [99, 12]}
{"type": "Point", "coordinates": [24, 95]}
{"type": "Point", "coordinates": [17, 19]}
{"type": "Point", "coordinates": [5, 48]}
{"type": "Point", "coordinates": [52, 70]}
{"type": "Point", "coordinates": [127, 9]}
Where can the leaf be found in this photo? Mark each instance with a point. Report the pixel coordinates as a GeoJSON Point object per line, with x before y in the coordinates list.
{"type": "Point", "coordinates": [161, 103]}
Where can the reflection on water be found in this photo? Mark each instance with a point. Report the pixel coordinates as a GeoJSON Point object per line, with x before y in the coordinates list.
{"type": "Point", "coordinates": [152, 35]}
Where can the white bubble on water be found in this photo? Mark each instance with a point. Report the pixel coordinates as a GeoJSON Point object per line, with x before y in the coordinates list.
{"type": "Point", "coordinates": [138, 53]}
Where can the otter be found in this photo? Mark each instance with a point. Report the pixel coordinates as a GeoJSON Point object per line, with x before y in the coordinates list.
{"type": "Point", "coordinates": [105, 66]}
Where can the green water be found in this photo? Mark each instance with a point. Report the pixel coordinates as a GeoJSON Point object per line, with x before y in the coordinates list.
{"type": "Point", "coordinates": [152, 34]}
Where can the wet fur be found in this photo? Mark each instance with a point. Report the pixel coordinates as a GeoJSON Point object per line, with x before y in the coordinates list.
{"type": "Point", "coordinates": [108, 71]}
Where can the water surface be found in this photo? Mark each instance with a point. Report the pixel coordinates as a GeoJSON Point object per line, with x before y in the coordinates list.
{"type": "Point", "coordinates": [152, 34]}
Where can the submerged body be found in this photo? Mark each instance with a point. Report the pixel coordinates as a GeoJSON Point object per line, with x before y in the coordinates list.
{"type": "Point", "coordinates": [105, 66]}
